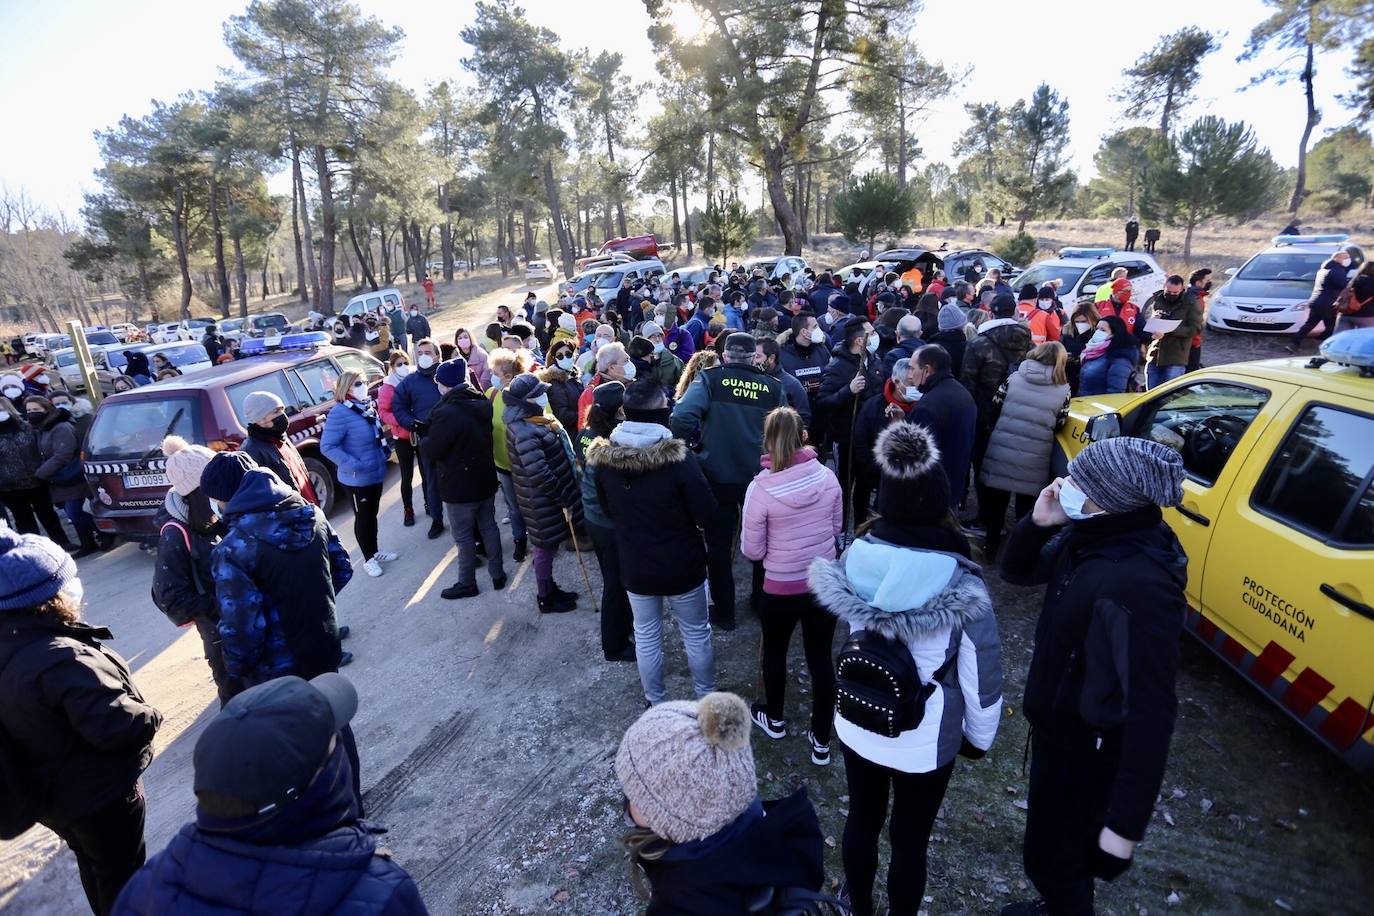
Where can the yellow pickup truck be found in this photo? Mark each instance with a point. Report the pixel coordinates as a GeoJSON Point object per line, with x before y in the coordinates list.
{"type": "Point", "coordinates": [1277, 518]}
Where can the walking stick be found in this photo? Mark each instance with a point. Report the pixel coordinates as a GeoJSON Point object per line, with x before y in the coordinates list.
{"type": "Point", "coordinates": [586, 579]}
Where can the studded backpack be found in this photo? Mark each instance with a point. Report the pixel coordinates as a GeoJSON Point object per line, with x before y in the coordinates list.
{"type": "Point", "coordinates": [878, 687]}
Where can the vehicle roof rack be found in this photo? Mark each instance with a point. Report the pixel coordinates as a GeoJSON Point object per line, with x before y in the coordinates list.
{"type": "Point", "coordinates": [1331, 238]}
{"type": "Point", "coordinates": [307, 340]}
{"type": "Point", "coordinates": [1098, 253]}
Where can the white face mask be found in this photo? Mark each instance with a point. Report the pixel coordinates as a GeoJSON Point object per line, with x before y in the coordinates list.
{"type": "Point", "coordinates": [817, 335]}
{"type": "Point", "coordinates": [403, 370]}
{"type": "Point", "coordinates": [74, 590]}
{"type": "Point", "coordinates": [542, 400]}
{"type": "Point", "coordinates": [911, 393]}
{"type": "Point", "coordinates": [1045, 304]}
{"type": "Point", "coordinates": [43, 379]}
{"type": "Point", "coordinates": [630, 371]}
{"type": "Point", "coordinates": [1099, 336]}
{"type": "Point", "coordinates": [373, 335]}
{"type": "Point", "coordinates": [1082, 326]}
{"type": "Point", "coordinates": [565, 363]}
{"type": "Point", "coordinates": [13, 392]}
{"type": "Point", "coordinates": [872, 343]}
{"type": "Point", "coordinates": [1072, 499]}
{"type": "Point", "coordinates": [425, 360]}
{"type": "Point", "coordinates": [360, 392]}
{"type": "Point", "coordinates": [414, 312]}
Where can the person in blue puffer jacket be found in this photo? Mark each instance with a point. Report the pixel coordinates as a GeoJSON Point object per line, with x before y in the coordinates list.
{"type": "Point", "coordinates": [1108, 359]}
{"type": "Point", "coordinates": [277, 829]}
{"type": "Point", "coordinates": [357, 441]}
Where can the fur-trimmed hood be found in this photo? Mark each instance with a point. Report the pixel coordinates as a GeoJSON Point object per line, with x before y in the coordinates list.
{"type": "Point", "coordinates": [602, 452]}
{"type": "Point", "coordinates": [959, 599]}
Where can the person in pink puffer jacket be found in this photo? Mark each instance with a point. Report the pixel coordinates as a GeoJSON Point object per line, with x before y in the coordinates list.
{"type": "Point", "coordinates": [793, 511]}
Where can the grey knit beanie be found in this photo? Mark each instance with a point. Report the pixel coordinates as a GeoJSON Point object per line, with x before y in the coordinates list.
{"type": "Point", "coordinates": [1126, 473]}
{"type": "Point", "coordinates": [688, 766]}
{"type": "Point", "coordinates": [951, 317]}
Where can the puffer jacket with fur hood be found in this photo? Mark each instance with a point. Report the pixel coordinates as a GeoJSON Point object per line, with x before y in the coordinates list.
{"type": "Point", "coordinates": [652, 488]}
{"type": "Point", "coordinates": [937, 605]}
{"type": "Point", "coordinates": [791, 517]}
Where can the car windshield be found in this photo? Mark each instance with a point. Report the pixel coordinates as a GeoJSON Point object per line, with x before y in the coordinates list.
{"type": "Point", "coordinates": [135, 429]}
{"type": "Point", "coordinates": [185, 355]}
{"type": "Point", "coordinates": [1293, 267]}
{"type": "Point", "coordinates": [231, 324]}
{"type": "Point", "coordinates": [262, 322]}
{"type": "Point", "coordinates": [581, 283]}
{"type": "Point", "coordinates": [1046, 273]}
{"type": "Point", "coordinates": [610, 279]}
{"type": "Point", "coordinates": [66, 359]}
{"type": "Point", "coordinates": [199, 323]}
{"type": "Point", "coordinates": [99, 338]}
{"type": "Point", "coordinates": [765, 266]}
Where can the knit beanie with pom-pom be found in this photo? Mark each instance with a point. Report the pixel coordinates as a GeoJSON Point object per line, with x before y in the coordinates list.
{"type": "Point", "coordinates": [185, 462]}
{"type": "Point", "coordinates": [914, 487]}
{"type": "Point", "coordinates": [687, 766]}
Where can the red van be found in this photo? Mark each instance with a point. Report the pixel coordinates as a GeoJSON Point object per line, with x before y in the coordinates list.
{"type": "Point", "coordinates": [122, 451]}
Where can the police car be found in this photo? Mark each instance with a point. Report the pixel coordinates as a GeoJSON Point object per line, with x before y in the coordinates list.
{"type": "Point", "coordinates": [1268, 294]}
{"type": "Point", "coordinates": [1277, 519]}
{"type": "Point", "coordinates": [1082, 270]}
{"type": "Point", "coordinates": [122, 453]}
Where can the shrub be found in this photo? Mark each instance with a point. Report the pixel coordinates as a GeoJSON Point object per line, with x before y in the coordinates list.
{"type": "Point", "coordinates": [1019, 249]}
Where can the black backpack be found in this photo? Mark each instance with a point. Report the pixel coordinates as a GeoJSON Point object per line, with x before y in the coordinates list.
{"type": "Point", "coordinates": [878, 687]}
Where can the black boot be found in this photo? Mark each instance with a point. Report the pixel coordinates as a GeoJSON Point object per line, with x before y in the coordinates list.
{"type": "Point", "coordinates": [520, 544]}
{"type": "Point", "coordinates": [563, 594]}
{"type": "Point", "coordinates": [436, 528]}
{"type": "Point", "coordinates": [88, 547]}
{"type": "Point", "coordinates": [552, 604]}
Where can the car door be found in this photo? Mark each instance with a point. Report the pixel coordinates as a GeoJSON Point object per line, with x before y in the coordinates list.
{"type": "Point", "coordinates": [1289, 577]}
{"type": "Point", "coordinates": [1213, 423]}
{"type": "Point", "coordinates": [1096, 275]}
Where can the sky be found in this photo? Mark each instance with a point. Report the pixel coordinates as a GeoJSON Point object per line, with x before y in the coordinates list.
{"type": "Point", "coordinates": [71, 67]}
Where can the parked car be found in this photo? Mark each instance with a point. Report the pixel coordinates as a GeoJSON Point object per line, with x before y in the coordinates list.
{"type": "Point", "coordinates": [1277, 519]}
{"type": "Point", "coordinates": [1083, 270]}
{"type": "Point", "coordinates": [608, 278]}
{"type": "Point", "coordinates": [1268, 294]}
{"type": "Point", "coordinates": [127, 333]}
{"type": "Point", "coordinates": [110, 364]}
{"type": "Point", "coordinates": [64, 360]}
{"type": "Point", "coordinates": [538, 270]}
{"type": "Point", "coordinates": [489, 261]}
{"type": "Point", "coordinates": [774, 268]}
{"type": "Point", "coordinates": [121, 453]}
{"type": "Point", "coordinates": [264, 325]}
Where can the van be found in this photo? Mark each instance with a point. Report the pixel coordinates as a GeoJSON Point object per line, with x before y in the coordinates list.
{"type": "Point", "coordinates": [390, 298]}
{"type": "Point", "coordinates": [122, 453]}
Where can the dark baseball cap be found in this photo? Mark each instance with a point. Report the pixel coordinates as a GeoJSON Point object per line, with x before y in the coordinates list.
{"type": "Point", "coordinates": [267, 743]}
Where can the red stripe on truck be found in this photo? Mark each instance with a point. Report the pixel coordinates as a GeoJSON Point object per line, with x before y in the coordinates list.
{"type": "Point", "coordinates": [1272, 662]}
{"type": "Point", "coordinates": [1307, 691]}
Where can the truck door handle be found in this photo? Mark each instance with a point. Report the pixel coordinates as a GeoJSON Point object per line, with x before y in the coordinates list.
{"type": "Point", "coordinates": [1359, 607]}
{"type": "Point", "coordinates": [1202, 520]}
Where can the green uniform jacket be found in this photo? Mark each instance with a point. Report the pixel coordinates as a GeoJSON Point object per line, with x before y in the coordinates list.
{"type": "Point", "coordinates": [728, 405]}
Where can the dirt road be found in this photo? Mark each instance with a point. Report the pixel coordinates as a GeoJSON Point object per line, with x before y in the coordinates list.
{"type": "Point", "coordinates": [486, 733]}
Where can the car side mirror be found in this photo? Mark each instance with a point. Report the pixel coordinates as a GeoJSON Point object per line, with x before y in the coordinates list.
{"type": "Point", "coordinates": [1089, 289]}
{"type": "Point", "coordinates": [1104, 426]}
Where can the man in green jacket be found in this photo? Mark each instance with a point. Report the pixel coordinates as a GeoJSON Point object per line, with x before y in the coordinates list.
{"type": "Point", "coordinates": [727, 405]}
{"type": "Point", "coordinates": [1169, 350]}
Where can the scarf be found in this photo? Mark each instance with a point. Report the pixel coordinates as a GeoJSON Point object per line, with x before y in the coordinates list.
{"type": "Point", "coordinates": [369, 413]}
{"type": "Point", "coordinates": [1094, 351]}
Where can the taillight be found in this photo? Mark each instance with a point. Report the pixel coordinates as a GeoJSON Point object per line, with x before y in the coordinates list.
{"type": "Point", "coordinates": [219, 445]}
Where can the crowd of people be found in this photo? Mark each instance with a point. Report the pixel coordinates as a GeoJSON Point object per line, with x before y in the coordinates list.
{"type": "Point", "coordinates": [860, 448]}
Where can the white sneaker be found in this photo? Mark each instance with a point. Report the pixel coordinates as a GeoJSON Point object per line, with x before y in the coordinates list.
{"type": "Point", "coordinates": [374, 569]}
{"type": "Point", "coordinates": [386, 556]}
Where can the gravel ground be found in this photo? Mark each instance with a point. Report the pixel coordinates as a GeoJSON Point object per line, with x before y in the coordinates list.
{"type": "Point", "coordinates": [487, 733]}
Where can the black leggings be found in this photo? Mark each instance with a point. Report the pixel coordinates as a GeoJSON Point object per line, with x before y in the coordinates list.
{"type": "Point", "coordinates": [366, 501]}
{"type": "Point", "coordinates": [992, 509]}
{"type": "Point", "coordinates": [407, 458]}
{"type": "Point", "coordinates": [780, 616]}
{"type": "Point", "coordinates": [32, 506]}
{"type": "Point", "coordinates": [916, 800]}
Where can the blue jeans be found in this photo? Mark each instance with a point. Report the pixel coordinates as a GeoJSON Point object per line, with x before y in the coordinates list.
{"type": "Point", "coordinates": [689, 610]}
{"type": "Point", "coordinates": [1158, 375]}
{"type": "Point", "coordinates": [517, 523]}
{"type": "Point", "coordinates": [81, 519]}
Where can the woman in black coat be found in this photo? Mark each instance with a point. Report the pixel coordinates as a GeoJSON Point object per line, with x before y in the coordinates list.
{"type": "Point", "coordinates": [80, 732]}
{"type": "Point", "coordinates": [850, 378]}
{"type": "Point", "coordinates": [546, 488]}
{"type": "Point", "coordinates": [564, 388]}
{"type": "Point", "coordinates": [27, 498]}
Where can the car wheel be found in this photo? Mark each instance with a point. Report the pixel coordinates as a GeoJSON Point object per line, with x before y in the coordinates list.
{"type": "Point", "coordinates": [323, 483]}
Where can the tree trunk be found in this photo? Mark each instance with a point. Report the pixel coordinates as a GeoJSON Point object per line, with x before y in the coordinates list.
{"type": "Point", "coordinates": [1168, 111]}
{"type": "Point", "coordinates": [362, 260]}
{"type": "Point", "coordinates": [266, 257]}
{"type": "Point", "coordinates": [296, 225]}
{"type": "Point", "coordinates": [1188, 236]}
{"type": "Point", "coordinates": [677, 226]}
{"type": "Point", "coordinates": [556, 212]}
{"type": "Point", "coordinates": [500, 244]}
{"type": "Point", "coordinates": [687, 216]}
{"type": "Point", "coordinates": [217, 243]}
{"type": "Point", "coordinates": [240, 273]}
{"type": "Point", "coordinates": [901, 137]}
{"type": "Point", "coordinates": [328, 227]}
{"type": "Point", "coordinates": [446, 246]}
{"type": "Point", "coordinates": [776, 186]}
{"type": "Point", "coordinates": [710, 165]}
{"type": "Point", "coordinates": [405, 250]}
{"type": "Point", "coordinates": [308, 237]}
{"type": "Point", "coordinates": [179, 239]}
{"type": "Point", "coordinates": [1300, 186]}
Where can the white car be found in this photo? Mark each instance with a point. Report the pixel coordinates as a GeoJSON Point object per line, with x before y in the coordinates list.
{"type": "Point", "coordinates": [110, 364]}
{"type": "Point", "coordinates": [774, 268]}
{"type": "Point", "coordinates": [126, 332]}
{"type": "Point", "coordinates": [607, 279]}
{"type": "Point", "coordinates": [489, 262]}
{"type": "Point", "coordinates": [1268, 294]}
{"type": "Point", "coordinates": [538, 270]}
{"type": "Point", "coordinates": [64, 359]}
{"type": "Point", "coordinates": [1083, 270]}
